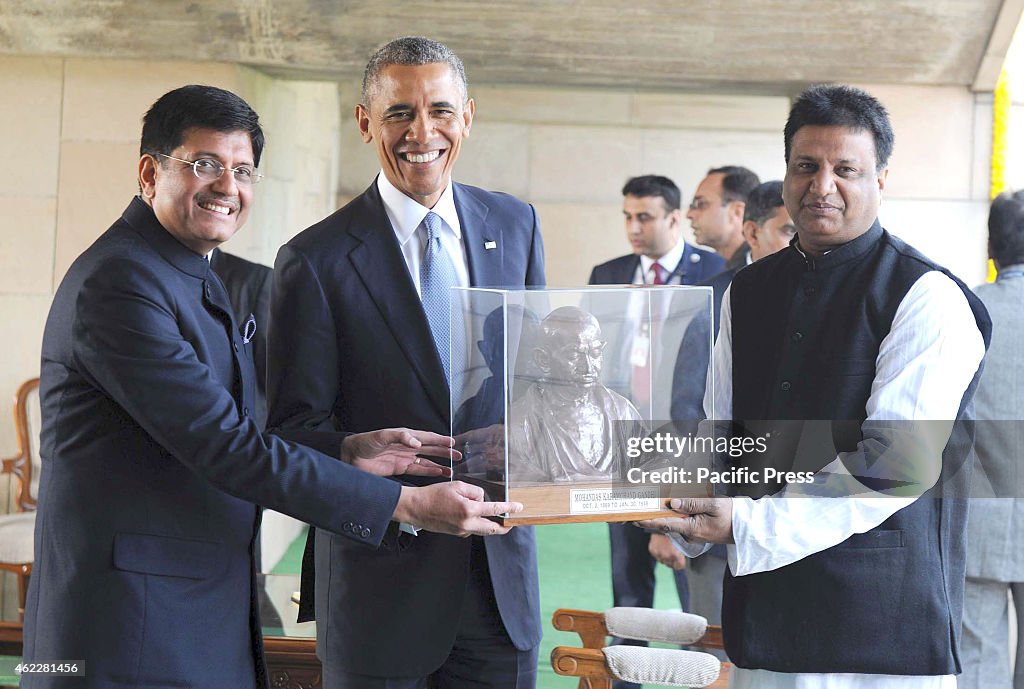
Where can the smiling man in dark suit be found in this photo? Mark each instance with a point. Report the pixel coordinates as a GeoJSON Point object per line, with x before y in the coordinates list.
{"type": "Point", "coordinates": [360, 311]}
{"type": "Point", "coordinates": [151, 458]}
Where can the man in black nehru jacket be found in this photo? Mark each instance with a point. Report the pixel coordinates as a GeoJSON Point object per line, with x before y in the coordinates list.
{"type": "Point", "coordinates": [853, 580]}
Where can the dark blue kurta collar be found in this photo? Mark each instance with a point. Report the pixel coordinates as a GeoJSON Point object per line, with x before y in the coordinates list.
{"type": "Point", "coordinates": [841, 254]}
{"type": "Point", "coordinates": [143, 220]}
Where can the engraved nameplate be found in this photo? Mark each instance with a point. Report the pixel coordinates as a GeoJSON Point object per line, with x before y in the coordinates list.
{"type": "Point", "coordinates": [594, 500]}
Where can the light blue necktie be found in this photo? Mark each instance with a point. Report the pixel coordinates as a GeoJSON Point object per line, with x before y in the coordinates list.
{"type": "Point", "coordinates": [437, 276]}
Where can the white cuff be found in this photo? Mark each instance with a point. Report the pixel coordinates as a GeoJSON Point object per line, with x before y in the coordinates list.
{"type": "Point", "coordinates": [741, 523]}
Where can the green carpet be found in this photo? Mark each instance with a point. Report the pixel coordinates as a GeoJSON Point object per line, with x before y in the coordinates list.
{"type": "Point", "coordinates": [7, 676]}
{"type": "Point", "coordinates": [574, 573]}
{"type": "Point", "coordinates": [291, 561]}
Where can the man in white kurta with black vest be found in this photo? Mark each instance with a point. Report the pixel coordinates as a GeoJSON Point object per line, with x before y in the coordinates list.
{"type": "Point", "coordinates": [854, 581]}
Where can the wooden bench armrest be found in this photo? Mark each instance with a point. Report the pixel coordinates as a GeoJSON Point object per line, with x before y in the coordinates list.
{"type": "Point", "coordinates": [712, 638]}
{"type": "Point", "coordinates": [593, 632]}
{"type": "Point", "coordinates": [579, 662]}
{"type": "Point", "coordinates": [589, 625]}
{"type": "Point", "coordinates": [586, 663]}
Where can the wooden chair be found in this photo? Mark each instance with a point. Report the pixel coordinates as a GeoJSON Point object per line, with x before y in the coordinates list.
{"type": "Point", "coordinates": [17, 528]}
{"type": "Point", "coordinates": [594, 662]}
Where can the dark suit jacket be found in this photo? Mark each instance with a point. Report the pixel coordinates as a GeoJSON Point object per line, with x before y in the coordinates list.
{"type": "Point", "coordinates": [739, 259]}
{"type": "Point", "coordinates": [248, 287]}
{"type": "Point", "coordinates": [688, 385]}
{"type": "Point", "coordinates": [695, 266]}
{"type": "Point", "coordinates": [151, 465]}
{"type": "Point", "coordinates": [351, 350]}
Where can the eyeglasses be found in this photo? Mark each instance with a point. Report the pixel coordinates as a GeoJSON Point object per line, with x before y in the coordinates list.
{"type": "Point", "coordinates": [209, 169]}
{"type": "Point", "coordinates": [701, 204]}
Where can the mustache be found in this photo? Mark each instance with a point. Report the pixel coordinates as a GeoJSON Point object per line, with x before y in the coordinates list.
{"type": "Point", "coordinates": [230, 201]}
{"type": "Point", "coordinates": [821, 200]}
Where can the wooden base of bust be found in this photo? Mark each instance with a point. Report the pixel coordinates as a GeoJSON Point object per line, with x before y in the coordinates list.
{"type": "Point", "coordinates": [585, 501]}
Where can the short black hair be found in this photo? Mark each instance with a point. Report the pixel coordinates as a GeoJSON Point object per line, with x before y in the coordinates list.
{"type": "Point", "coordinates": [414, 51]}
{"type": "Point", "coordinates": [654, 185]}
{"type": "Point", "coordinates": [1006, 229]}
{"type": "Point", "coordinates": [737, 182]}
{"type": "Point", "coordinates": [763, 201]}
{"type": "Point", "coordinates": [837, 105]}
{"type": "Point", "coordinates": [206, 107]}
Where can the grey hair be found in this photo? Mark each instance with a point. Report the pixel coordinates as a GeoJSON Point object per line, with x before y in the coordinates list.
{"type": "Point", "coordinates": [412, 50]}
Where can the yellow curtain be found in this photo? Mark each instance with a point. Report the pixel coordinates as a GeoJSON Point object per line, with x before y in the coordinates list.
{"type": "Point", "coordinates": [1001, 103]}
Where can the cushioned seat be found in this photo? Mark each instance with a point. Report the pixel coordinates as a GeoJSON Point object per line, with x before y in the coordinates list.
{"type": "Point", "coordinates": [662, 666]}
{"type": "Point", "coordinates": [17, 529]}
{"type": "Point", "coordinates": [16, 532]}
{"type": "Point", "coordinates": [598, 665]}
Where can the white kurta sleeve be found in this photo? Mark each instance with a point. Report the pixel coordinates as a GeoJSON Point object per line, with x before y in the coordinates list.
{"type": "Point", "coordinates": [923, 368]}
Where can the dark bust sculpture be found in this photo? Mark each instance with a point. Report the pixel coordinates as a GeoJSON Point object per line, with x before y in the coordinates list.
{"type": "Point", "coordinates": [568, 426]}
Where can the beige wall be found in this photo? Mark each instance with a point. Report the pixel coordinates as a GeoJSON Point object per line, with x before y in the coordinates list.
{"type": "Point", "coordinates": [71, 167]}
{"type": "Point", "coordinates": [71, 138]}
{"type": "Point", "coordinates": [71, 152]}
{"type": "Point", "coordinates": [569, 152]}
{"type": "Point", "coordinates": [937, 192]}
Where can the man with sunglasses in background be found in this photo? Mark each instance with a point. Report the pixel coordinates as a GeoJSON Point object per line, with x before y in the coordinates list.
{"type": "Point", "coordinates": [716, 212]}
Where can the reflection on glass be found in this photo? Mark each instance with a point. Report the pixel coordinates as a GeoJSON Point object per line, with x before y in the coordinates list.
{"type": "Point", "coordinates": [478, 423]}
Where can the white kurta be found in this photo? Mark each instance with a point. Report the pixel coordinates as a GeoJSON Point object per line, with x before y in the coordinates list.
{"type": "Point", "coordinates": [923, 368]}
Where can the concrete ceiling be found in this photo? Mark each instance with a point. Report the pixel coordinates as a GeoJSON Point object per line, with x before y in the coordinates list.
{"type": "Point", "coordinates": [766, 46]}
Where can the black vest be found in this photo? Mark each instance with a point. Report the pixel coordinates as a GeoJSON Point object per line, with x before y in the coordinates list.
{"type": "Point", "coordinates": [806, 334]}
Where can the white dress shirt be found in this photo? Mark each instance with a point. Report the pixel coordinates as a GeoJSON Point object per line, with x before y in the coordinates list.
{"type": "Point", "coordinates": [406, 218]}
{"type": "Point", "coordinates": [922, 370]}
{"type": "Point", "coordinates": [645, 276]}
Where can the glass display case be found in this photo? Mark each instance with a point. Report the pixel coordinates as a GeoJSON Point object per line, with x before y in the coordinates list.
{"type": "Point", "coordinates": [581, 404]}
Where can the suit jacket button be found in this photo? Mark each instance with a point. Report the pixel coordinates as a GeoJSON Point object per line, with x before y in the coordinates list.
{"type": "Point", "coordinates": [245, 411]}
{"type": "Point", "coordinates": [206, 287]}
{"type": "Point", "coordinates": [365, 533]}
{"type": "Point", "coordinates": [347, 526]}
{"type": "Point", "coordinates": [235, 345]}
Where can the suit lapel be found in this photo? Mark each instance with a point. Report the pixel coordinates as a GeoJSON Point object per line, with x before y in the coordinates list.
{"type": "Point", "coordinates": [682, 266]}
{"type": "Point", "coordinates": [378, 261]}
{"type": "Point", "coordinates": [628, 271]}
{"type": "Point", "coordinates": [483, 242]}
